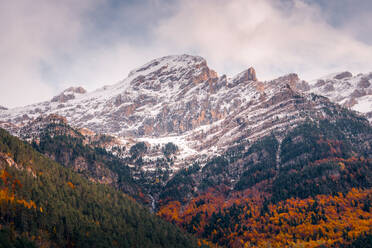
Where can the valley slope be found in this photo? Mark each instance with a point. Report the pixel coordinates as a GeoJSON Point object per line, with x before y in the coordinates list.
{"type": "Point", "coordinates": [44, 204]}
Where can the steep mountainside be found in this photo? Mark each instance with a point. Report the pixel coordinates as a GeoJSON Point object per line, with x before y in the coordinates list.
{"type": "Point", "coordinates": [83, 152]}
{"type": "Point", "coordinates": [309, 188]}
{"type": "Point", "coordinates": [246, 163]}
{"type": "Point", "coordinates": [123, 168]}
{"type": "Point", "coordinates": [43, 204]}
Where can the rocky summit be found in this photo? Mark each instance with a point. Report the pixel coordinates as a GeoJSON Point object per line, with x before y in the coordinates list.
{"type": "Point", "coordinates": [180, 99]}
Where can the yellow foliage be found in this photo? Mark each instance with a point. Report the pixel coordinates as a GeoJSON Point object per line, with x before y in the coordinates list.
{"type": "Point", "coordinates": [71, 185]}
{"type": "Point", "coordinates": [7, 194]}
{"type": "Point", "coordinates": [342, 166]}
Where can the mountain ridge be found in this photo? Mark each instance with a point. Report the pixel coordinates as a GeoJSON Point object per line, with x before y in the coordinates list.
{"type": "Point", "coordinates": [180, 99]}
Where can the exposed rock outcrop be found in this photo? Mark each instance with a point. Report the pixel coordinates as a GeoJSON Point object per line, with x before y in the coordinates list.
{"type": "Point", "coordinates": [343, 75]}
{"type": "Point", "coordinates": [68, 94]}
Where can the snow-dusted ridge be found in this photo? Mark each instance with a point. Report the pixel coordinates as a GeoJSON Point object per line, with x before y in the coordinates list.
{"type": "Point", "coordinates": [351, 91]}
{"type": "Point", "coordinates": [179, 99]}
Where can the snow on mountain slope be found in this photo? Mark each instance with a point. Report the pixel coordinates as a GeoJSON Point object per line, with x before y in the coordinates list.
{"type": "Point", "coordinates": [353, 92]}
{"type": "Point", "coordinates": [126, 107]}
{"type": "Point", "coordinates": [179, 99]}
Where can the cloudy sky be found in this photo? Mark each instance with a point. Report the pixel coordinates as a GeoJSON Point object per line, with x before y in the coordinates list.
{"type": "Point", "coordinates": [49, 45]}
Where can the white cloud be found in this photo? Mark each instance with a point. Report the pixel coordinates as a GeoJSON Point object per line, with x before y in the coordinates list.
{"type": "Point", "coordinates": [105, 65]}
{"type": "Point", "coordinates": [275, 37]}
{"type": "Point", "coordinates": [48, 45]}
{"type": "Point", "coordinates": [33, 32]}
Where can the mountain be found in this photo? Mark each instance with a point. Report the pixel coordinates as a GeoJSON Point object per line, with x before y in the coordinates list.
{"type": "Point", "coordinates": [346, 89]}
{"type": "Point", "coordinates": [46, 205]}
{"type": "Point", "coordinates": [84, 152]}
{"type": "Point", "coordinates": [130, 106]}
{"type": "Point", "coordinates": [179, 99]}
{"type": "Point", "coordinates": [309, 186]}
{"type": "Point", "coordinates": [100, 158]}
{"type": "Point", "coordinates": [237, 161]}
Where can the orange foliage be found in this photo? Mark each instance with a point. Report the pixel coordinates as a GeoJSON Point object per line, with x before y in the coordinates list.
{"type": "Point", "coordinates": [323, 220]}
{"type": "Point", "coordinates": [71, 185]}
{"type": "Point", "coordinates": [7, 191]}
{"type": "Point", "coordinates": [334, 146]}
{"type": "Point", "coordinates": [170, 212]}
{"type": "Point", "coordinates": [206, 243]}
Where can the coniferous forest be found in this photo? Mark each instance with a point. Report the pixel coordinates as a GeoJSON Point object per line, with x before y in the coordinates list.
{"type": "Point", "coordinates": [44, 204]}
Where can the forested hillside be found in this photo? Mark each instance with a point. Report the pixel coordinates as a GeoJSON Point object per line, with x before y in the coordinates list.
{"type": "Point", "coordinates": [44, 204]}
{"type": "Point", "coordinates": [71, 150]}
{"type": "Point", "coordinates": [310, 187]}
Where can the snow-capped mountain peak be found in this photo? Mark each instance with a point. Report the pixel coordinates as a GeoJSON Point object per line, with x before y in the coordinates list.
{"type": "Point", "coordinates": [169, 63]}
{"type": "Point", "coordinates": [180, 99]}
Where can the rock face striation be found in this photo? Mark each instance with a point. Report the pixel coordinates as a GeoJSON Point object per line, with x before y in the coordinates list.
{"type": "Point", "coordinates": [180, 99]}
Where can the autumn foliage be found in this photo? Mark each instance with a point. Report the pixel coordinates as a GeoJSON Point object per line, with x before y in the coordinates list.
{"type": "Point", "coordinates": [8, 190]}
{"type": "Point", "coordinates": [247, 220]}
{"type": "Point", "coordinates": [324, 204]}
